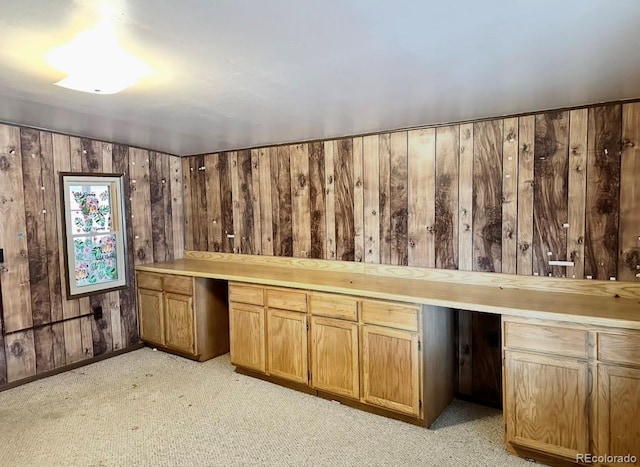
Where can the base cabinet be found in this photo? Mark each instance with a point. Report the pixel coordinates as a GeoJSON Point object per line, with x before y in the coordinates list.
{"type": "Point", "coordinates": [335, 359]}
{"type": "Point", "coordinates": [572, 391]}
{"type": "Point", "coordinates": [183, 314]}
{"type": "Point", "coordinates": [546, 403]}
{"type": "Point", "coordinates": [287, 345]}
{"type": "Point", "coordinates": [247, 336]}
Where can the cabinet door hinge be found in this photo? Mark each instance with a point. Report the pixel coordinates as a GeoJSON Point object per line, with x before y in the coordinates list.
{"type": "Point", "coordinates": [419, 346]}
{"type": "Point", "coordinates": [307, 325]}
{"type": "Point", "coordinates": [420, 404]}
{"type": "Point", "coordinates": [308, 375]}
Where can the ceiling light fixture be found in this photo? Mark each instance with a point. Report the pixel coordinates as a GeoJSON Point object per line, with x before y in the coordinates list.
{"type": "Point", "coordinates": [95, 63]}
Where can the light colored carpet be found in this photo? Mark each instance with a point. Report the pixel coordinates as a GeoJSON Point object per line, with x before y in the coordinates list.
{"type": "Point", "coordinates": [148, 408]}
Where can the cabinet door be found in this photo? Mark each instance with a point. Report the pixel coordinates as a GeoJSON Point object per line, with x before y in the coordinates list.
{"type": "Point", "coordinates": [151, 316]}
{"type": "Point", "coordinates": [618, 409]}
{"type": "Point", "coordinates": [334, 356]}
{"type": "Point", "coordinates": [545, 403]}
{"type": "Point", "coordinates": [179, 329]}
{"type": "Point", "coordinates": [246, 336]}
{"type": "Point", "coordinates": [391, 369]}
{"type": "Point", "coordinates": [287, 345]}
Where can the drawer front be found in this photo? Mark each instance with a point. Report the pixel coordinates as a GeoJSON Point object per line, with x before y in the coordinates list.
{"type": "Point", "coordinates": [392, 315]}
{"type": "Point", "coordinates": [334, 306]}
{"type": "Point", "coordinates": [549, 339]}
{"type": "Point", "coordinates": [293, 300]}
{"type": "Point", "coordinates": [178, 284]}
{"type": "Point", "coordinates": [149, 280]}
{"type": "Point", "coordinates": [619, 348]}
{"type": "Point", "coordinates": [253, 295]}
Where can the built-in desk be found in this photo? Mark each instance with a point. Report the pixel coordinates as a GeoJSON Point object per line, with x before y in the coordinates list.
{"type": "Point", "coordinates": [571, 348]}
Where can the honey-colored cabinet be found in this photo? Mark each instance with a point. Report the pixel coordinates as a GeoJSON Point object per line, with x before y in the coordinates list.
{"type": "Point", "coordinates": [247, 336]}
{"type": "Point", "coordinates": [183, 314]}
{"type": "Point", "coordinates": [150, 305]}
{"type": "Point", "coordinates": [335, 365]}
{"type": "Point", "coordinates": [287, 345]}
{"type": "Point", "coordinates": [546, 403]}
{"type": "Point", "coordinates": [391, 369]}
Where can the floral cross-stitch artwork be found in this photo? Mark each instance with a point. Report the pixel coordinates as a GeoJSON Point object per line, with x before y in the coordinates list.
{"type": "Point", "coordinates": [95, 259]}
{"type": "Point", "coordinates": [91, 210]}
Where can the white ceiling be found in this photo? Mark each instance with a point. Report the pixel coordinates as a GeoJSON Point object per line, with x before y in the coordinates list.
{"type": "Point", "coordinates": [237, 73]}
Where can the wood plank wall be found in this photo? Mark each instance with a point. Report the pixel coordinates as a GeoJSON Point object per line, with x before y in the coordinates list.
{"type": "Point", "coordinates": [504, 195]}
{"type": "Point", "coordinates": [43, 331]}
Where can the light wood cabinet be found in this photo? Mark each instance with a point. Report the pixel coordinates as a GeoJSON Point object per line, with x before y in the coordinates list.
{"type": "Point", "coordinates": [183, 314]}
{"type": "Point", "coordinates": [247, 336]}
{"type": "Point", "coordinates": [618, 411]}
{"type": "Point", "coordinates": [335, 358]}
{"type": "Point", "coordinates": [391, 369]}
{"type": "Point", "coordinates": [150, 304]}
{"type": "Point", "coordinates": [546, 403]}
{"type": "Point", "coordinates": [287, 345]}
{"type": "Point", "coordinates": [571, 390]}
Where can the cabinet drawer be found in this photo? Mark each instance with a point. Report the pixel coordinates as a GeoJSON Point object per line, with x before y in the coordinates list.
{"type": "Point", "coordinates": [619, 348]}
{"type": "Point", "coordinates": [178, 284]}
{"type": "Point", "coordinates": [334, 306]}
{"type": "Point", "coordinates": [549, 339]}
{"type": "Point", "coordinates": [246, 294]}
{"type": "Point", "coordinates": [148, 280]}
{"type": "Point", "coordinates": [293, 300]}
{"type": "Point", "coordinates": [392, 315]}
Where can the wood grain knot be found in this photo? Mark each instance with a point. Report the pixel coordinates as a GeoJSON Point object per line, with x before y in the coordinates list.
{"type": "Point", "coordinates": [141, 254]}
{"type": "Point", "coordinates": [526, 147]}
{"type": "Point", "coordinates": [524, 246]}
{"type": "Point", "coordinates": [23, 253]}
{"type": "Point", "coordinates": [632, 259]}
{"type": "Point", "coordinates": [358, 183]}
{"type": "Point", "coordinates": [302, 180]}
{"type": "Point", "coordinates": [5, 165]}
{"type": "Point", "coordinates": [627, 143]}
{"type": "Point", "coordinates": [17, 349]}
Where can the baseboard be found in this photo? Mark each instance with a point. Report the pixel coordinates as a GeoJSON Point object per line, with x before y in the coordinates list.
{"type": "Point", "coordinates": [72, 366]}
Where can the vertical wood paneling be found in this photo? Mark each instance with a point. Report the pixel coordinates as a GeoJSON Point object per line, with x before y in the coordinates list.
{"type": "Point", "coordinates": [281, 202]}
{"type": "Point", "coordinates": [188, 209]}
{"type": "Point", "coordinates": [371, 189]}
{"type": "Point", "coordinates": [3, 359]}
{"type": "Point", "coordinates": [225, 162]}
{"type": "Point", "coordinates": [343, 175]}
{"type": "Point", "coordinates": [465, 191]}
{"type": "Point", "coordinates": [177, 206]}
{"type": "Point", "coordinates": [16, 294]}
{"type": "Point", "coordinates": [49, 180]}
{"type": "Point", "coordinates": [35, 225]}
{"type": "Point", "coordinates": [421, 197]}
{"type": "Point", "coordinates": [238, 222]}
{"type": "Point", "coordinates": [199, 200]}
{"type": "Point", "coordinates": [358, 200]}
{"type": "Point", "coordinates": [487, 196]}
{"type": "Point", "coordinates": [266, 220]}
{"type": "Point", "coordinates": [551, 172]}
{"type": "Point", "coordinates": [629, 241]}
{"type": "Point", "coordinates": [526, 144]}
{"type": "Point", "coordinates": [167, 204]}
{"type": "Point", "coordinates": [21, 356]}
{"type": "Point", "coordinates": [510, 196]}
{"type": "Point", "coordinates": [245, 203]}
{"type": "Point", "coordinates": [577, 190]}
{"type": "Point", "coordinates": [255, 201]}
{"type": "Point", "coordinates": [399, 201]}
{"type": "Point", "coordinates": [157, 188]}
{"type": "Point", "coordinates": [317, 200]}
{"type": "Point", "coordinates": [300, 200]}
{"type": "Point", "coordinates": [128, 312]}
{"type": "Point", "coordinates": [140, 206]}
{"type": "Point", "coordinates": [214, 207]}
{"type": "Point", "coordinates": [446, 197]}
{"type": "Point", "coordinates": [330, 200]}
{"type": "Point", "coordinates": [385, 198]}
{"type": "Point", "coordinates": [603, 191]}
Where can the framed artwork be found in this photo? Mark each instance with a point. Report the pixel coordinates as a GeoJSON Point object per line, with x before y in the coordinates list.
{"type": "Point", "coordinates": [94, 233]}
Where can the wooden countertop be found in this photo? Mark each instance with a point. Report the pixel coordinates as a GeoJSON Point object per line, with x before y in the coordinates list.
{"type": "Point", "coordinates": [603, 310]}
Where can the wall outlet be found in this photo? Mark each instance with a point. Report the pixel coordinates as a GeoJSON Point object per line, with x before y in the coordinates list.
{"type": "Point", "coordinates": [1, 255]}
{"type": "Point", "coordinates": [97, 313]}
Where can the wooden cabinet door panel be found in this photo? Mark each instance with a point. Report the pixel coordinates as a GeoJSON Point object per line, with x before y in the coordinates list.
{"type": "Point", "coordinates": [334, 356]}
{"type": "Point", "coordinates": [546, 403]}
{"type": "Point", "coordinates": [150, 305]}
{"type": "Point", "coordinates": [287, 345]}
{"type": "Point", "coordinates": [247, 336]}
{"type": "Point", "coordinates": [391, 369]}
{"type": "Point", "coordinates": [179, 323]}
{"type": "Point", "coordinates": [618, 412]}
